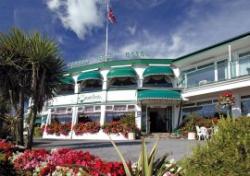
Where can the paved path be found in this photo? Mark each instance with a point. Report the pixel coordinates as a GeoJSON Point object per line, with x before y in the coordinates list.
{"type": "Point", "coordinates": [176, 148]}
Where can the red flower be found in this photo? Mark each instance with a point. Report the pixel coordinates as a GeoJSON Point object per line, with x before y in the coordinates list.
{"type": "Point", "coordinates": [87, 127]}
{"type": "Point", "coordinates": [57, 128]}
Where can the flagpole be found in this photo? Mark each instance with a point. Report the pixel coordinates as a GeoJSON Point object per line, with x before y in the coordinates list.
{"type": "Point", "coordinates": [107, 33]}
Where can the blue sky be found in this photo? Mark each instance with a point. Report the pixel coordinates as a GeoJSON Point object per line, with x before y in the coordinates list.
{"type": "Point", "coordinates": [158, 28]}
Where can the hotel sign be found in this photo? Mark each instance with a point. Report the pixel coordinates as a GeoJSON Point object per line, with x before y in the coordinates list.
{"type": "Point", "coordinates": [91, 97]}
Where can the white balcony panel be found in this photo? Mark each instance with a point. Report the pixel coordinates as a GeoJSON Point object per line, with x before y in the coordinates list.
{"type": "Point", "coordinates": [231, 84]}
{"type": "Point", "coordinates": [122, 95]}
{"type": "Point", "coordinates": [63, 100]}
{"type": "Point", "coordinates": [92, 97]}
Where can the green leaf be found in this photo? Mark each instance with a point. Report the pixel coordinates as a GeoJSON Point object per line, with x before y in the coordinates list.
{"type": "Point", "coordinates": [127, 171]}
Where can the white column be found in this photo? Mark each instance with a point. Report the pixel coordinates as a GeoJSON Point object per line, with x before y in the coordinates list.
{"type": "Point", "coordinates": [103, 113]}
{"type": "Point", "coordinates": [48, 117]}
{"type": "Point", "coordinates": [229, 61]}
{"type": "Point", "coordinates": [138, 116]}
{"type": "Point", "coordinates": [215, 71]}
{"type": "Point", "coordinates": [175, 115]}
{"type": "Point", "coordinates": [74, 115]}
{"type": "Point", "coordinates": [236, 108]}
{"type": "Point", "coordinates": [76, 85]}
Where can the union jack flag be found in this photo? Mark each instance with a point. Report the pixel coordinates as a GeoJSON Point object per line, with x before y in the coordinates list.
{"type": "Point", "coordinates": [111, 16]}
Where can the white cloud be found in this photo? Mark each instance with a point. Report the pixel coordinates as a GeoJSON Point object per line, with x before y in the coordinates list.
{"type": "Point", "coordinates": [132, 29]}
{"type": "Point", "coordinates": [79, 16]}
{"type": "Point", "coordinates": [199, 30]}
{"type": "Point", "coordinates": [53, 4]}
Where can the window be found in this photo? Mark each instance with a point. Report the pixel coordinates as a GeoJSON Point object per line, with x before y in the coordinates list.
{"type": "Point", "coordinates": [66, 89]}
{"type": "Point", "coordinates": [125, 82]}
{"type": "Point", "coordinates": [245, 105]}
{"type": "Point", "coordinates": [61, 118]}
{"type": "Point", "coordinates": [90, 85]}
{"type": "Point", "coordinates": [207, 109]}
{"type": "Point", "coordinates": [89, 114]}
{"type": "Point", "coordinates": [157, 81]}
{"type": "Point", "coordinates": [222, 70]}
{"type": "Point", "coordinates": [204, 74]}
{"type": "Point", "coordinates": [120, 108]}
{"type": "Point", "coordinates": [244, 63]}
{"type": "Point", "coordinates": [118, 112]}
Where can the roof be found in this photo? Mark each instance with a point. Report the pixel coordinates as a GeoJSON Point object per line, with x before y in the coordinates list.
{"type": "Point", "coordinates": [108, 64]}
{"type": "Point", "coordinates": [213, 46]}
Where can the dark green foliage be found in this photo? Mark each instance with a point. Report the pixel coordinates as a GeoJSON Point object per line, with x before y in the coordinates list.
{"type": "Point", "coordinates": [227, 153]}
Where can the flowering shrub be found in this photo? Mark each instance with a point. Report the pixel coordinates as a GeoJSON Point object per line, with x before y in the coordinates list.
{"type": "Point", "coordinates": [123, 126]}
{"type": "Point", "coordinates": [30, 159]}
{"type": "Point", "coordinates": [226, 98]}
{"type": "Point", "coordinates": [88, 127]}
{"type": "Point", "coordinates": [5, 146]}
{"type": "Point", "coordinates": [189, 124]}
{"type": "Point", "coordinates": [57, 128]}
{"type": "Point", "coordinates": [73, 162]}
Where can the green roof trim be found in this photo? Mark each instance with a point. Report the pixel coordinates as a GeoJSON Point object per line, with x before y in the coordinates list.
{"type": "Point", "coordinates": [212, 46]}
{"type": "Point", "coordinates": [158, 70]}
{"type": "Point", "coordinates": [89, 75]}
{"type": "Point", "coordinates": [108, 64]}
{"type": "Point", "coordinates": [121, 72]}
{"type": "Point", "coordinates": [67, 80]}
{"type": "Point", "coordinates": [159, 94]}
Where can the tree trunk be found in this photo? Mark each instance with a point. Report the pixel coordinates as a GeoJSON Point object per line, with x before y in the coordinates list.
{"type": "Point", "coordinates": [34, 106]}
{"type": "Point", "coordinates": [20, 119]}
{"type": "Point", "coordinates": [31, 127]}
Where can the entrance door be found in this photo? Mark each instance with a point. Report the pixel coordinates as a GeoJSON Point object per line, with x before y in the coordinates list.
{"type": "Point", "coordinates": [160, 119]}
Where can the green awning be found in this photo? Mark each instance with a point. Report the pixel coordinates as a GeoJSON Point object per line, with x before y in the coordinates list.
{"type": "Point", "coordinates": [67, 80]}
{"type": "Point", "coordinates": [158, 70]}
{"type": "Point", "coordinates": [159, 94]}
{"type": "Point", "coordinates": [121, 72]}
{"type": "Point", "coordinates": [89, 75]}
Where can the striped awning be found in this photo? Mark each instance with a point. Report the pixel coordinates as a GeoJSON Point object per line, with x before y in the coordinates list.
{"type": "Point", "coordinates": [158, 70]}
{"type": "Point", "coordinates": [89, 75]}
{"type": "Point", "coordinates": [121, 72]}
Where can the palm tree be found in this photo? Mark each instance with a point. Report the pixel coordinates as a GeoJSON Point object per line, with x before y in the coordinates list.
{"type": "Point", "coordinates": [47, 69]}
{"type": "Point", "coordinates": [14, 75]}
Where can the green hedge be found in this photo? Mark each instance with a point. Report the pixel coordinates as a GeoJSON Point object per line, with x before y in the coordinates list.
{"type": "Point", "coordinates": [227, 153]}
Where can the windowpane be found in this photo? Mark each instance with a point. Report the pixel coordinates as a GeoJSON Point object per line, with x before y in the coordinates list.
{"type": "Point", "coordinates": [202, 76]}
{"type": "Point", "coordinates": [245, 107]}
{"type": "Point", "coordinates": [244, 63]}
{"type": "Point", "coordinates": [222, 70]}
{"type": "Point", "coordinates": [89, 117]}
{"type": "Point", "coordinates": [61, 118]}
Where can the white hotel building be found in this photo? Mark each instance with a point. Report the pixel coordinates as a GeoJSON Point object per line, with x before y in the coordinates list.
{"type": "Point", "coordinates": [160, 92]}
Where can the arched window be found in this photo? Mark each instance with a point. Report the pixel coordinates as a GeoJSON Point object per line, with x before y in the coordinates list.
{"type": "Point", "coordinates": [157, 81]}
{"type": "Point", "coordinates": [90, 85]}
{"type": "Point", "coordinates": [90, 81]}
{"type": "Point", "coordinates": [124, 77]}
{"type": "Point", "coordinates": [67, 86]}
{"type": "Point", "coordinates": [158, 76]}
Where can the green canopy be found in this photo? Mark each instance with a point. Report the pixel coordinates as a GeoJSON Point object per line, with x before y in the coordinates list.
{"type": "Point", "coordinates": [159, 94]}
{"type": "Point", "coordinates": [67, 80]}
{"type": "Point", "coordinates": [89, 75]}
{"type": "Point", "coordinates": [121, 72]}
{"type": "Point", "coordinates": [158, 70]}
